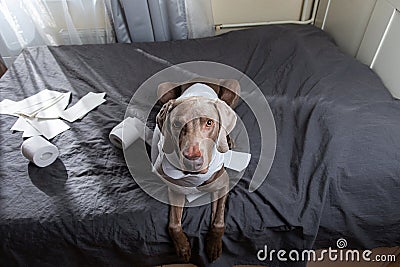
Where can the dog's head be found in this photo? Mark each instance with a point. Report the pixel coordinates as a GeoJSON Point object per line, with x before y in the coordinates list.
{"type": "Point", "coordinates": [194, 126]}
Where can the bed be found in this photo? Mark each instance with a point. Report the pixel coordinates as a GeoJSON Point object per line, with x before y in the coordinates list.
{"type": "Point", "coordinates": [336, 172]}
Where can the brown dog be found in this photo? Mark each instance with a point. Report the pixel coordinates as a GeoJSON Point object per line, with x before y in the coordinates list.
{"type": "Point", "coordinates": [194, 129]}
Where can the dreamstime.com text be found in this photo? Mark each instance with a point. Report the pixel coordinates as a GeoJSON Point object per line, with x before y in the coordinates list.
{"type": "Point", "coordinates": [339, 254]}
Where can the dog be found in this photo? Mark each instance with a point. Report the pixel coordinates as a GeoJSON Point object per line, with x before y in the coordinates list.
{"type": "Point", "coordinates": [194, 124]}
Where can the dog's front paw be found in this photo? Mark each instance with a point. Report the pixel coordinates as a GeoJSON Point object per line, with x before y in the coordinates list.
{"type": "Point", "coordinates": [181, 243]}
{"type": "Point", "coordinates": [214, 243]}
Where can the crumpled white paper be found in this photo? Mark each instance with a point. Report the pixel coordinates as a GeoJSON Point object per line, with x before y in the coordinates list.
{"type": "Point", "coordinates": [39, 114]}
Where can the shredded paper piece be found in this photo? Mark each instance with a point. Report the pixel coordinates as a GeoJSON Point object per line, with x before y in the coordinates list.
{"type": "Point", "coordinates": [49, 128]}
{"type": "Point", "coordinates": [7, 106]}
{"type": "Point", "coordinates": [32, 105]}
{"type": "Point", "coordinates": [54, 111]}
{"type": "Point", "coordinates": [83, 106]}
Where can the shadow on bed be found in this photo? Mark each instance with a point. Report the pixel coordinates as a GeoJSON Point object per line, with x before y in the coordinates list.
{"type": "Point", "coordinates": [51, 179]}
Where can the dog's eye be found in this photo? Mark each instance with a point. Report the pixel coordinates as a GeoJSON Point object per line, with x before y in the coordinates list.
{"type": "Point", "coordinates": [177, 124]}
{"type": "Point", "coordinates": [209, 123]}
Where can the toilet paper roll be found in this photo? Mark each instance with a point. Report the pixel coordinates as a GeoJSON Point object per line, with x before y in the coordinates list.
{"type": "Point", "coordinates": [39, 151]}
{"type": "Point", "coordinates": [127, 132]}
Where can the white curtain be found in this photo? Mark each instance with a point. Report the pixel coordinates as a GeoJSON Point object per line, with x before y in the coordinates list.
{"type": "Point", "coordinates": [163, 20]}
{"type": "Point", "coordinates": [25, 23]}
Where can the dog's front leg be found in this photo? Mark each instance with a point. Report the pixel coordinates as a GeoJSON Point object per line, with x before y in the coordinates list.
{"type": "Point", "coordinates": [214, 236]}
{"type": "Point", "coordinates": [181, 243]}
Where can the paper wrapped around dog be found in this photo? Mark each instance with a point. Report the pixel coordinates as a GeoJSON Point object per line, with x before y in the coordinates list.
{"type": "Point", "coordinates": [135, 129]}
{"type": "Point", "coordinates": [39, 151]}
{"type": "Point", "coordinates": [235, 160]}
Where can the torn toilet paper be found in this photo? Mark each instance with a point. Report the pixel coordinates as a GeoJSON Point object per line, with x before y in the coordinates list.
{"type": "Point", "coordinates": [49, 128]}
{"type": "Point", "coordinates": [22, 125]}
{"type": "Point", "coordinates": [34, 104]}
{"type": "Point", "coordinates": [54, 111]}
{"type": "Point", "coordinates": [83, 106]}
{"type": "Point", "coordinates": [39, 114]}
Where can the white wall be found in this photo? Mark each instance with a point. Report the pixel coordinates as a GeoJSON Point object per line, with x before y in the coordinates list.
{"type": "Point", "coordinates": [369, 30]}
{"type": "Point", "coordinates": [346, 21]}
{"type": "Point", "coordinates": [241, 11]}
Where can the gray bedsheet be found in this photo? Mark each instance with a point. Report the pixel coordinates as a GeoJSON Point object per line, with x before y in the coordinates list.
{"type": "Point", "coordinates": [336, 172]}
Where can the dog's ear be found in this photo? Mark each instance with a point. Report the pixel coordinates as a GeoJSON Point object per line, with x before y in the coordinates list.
{"type": "Point", "coordinates": [168, 145]}
{"type": "Point", "coordinates": [229, 91]}
{"type": "Point", "coordinates": [161, 123]}
{"type": "Point", "coordinates": [167, 91]}
{"type": "Point", "coordinates": [227, 121]}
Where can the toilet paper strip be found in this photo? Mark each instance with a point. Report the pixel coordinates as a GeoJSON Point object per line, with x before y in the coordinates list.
{"type": "Point", "coordinates": [23, 126]}
{"type": "Point", "coordinates": [83, 106]}
{"type": "Point", "coordinates": [7, 106]}
{"type": "Point", "coordinates": [39, 151]}
{"type": "Point", "coordinates": [38, 114]}
{"type": "Point", "coordinates": [235, 160]}
{"type": "Point", "coordinates": [49, 128]}
{"type": "Point", "coordinates": [54, 111]}
{"type": "Point", "coordinates": [34, 104]}
{"type": "Point", "coordinates": [192, 197]}
{"type": "Point", "coordinates": [30, 132]}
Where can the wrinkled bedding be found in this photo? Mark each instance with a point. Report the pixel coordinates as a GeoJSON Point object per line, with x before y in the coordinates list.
{"type": "Point", "coordinates": [336, 172]}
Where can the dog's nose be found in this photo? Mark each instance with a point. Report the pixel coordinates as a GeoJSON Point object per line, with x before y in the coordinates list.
{"type": "Point", "coordinates": [193, 152]}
